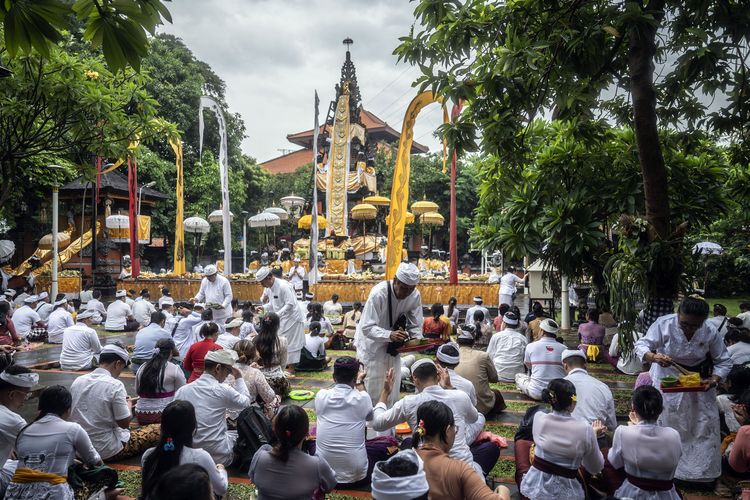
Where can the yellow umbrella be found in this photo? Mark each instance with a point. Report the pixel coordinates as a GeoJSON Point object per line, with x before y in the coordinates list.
{"type": "Point", "coordinates": [306, 220]}
{"type": "Point", "coordinates": [377, 200]}
{"type": "Point", "coordinates": [409, 218]}
{"type": "Point", "coordinates": [364, 211]}
{"type": "Point", "coordinates": [432, 219]}
{"type": "Point", "coordinates": [63, 240]}
{"type": "Point", "coordinates": [424, 206]}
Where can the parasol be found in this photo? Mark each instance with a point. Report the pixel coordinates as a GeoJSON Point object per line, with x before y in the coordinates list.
{"type": "Point", "coordinates": [63, 240]}
{"type": "Point", "coordinates": [217, 217]}
{"type": "Point", "coordinates": [707, 248]}
{"type": "Point", "coordinates": [279, 212]}
{"type": "Point", "coordinates": [306, 221]}
{"type": "Point", "coordinates": [7, 249]}
{"type": "Point", "coordinates": [424, 206]}
{"type": "Point", "coordinates": [264, 219]}
{"type": "Point", "coordinates": [432, 219]}
{"type": "Point", "coordinates": [118, 222]}
{"type": "Point", "coordinates": [377, 200]}
{"type": "Point", "coordinates": [196, 225]}
{"type": "Point", "coordinates": [364, 212]}
{"type": "Point", "coordinates": [409, 218]}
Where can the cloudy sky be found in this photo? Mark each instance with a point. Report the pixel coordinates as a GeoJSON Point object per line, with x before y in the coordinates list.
{"type": "Point", "coordinates": [273, 54]}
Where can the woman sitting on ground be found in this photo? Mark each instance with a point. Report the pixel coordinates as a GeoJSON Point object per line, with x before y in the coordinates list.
{"type": "Point", "coordinates": [8, 335]}
{"type": "Point", "coordinates": [452, 313]}
{"type": "Point", "coordinates": [46, 449]}
{"type": "Point", "coordinates": [187, 482]}
{"type": "Point", "coordinates": [313, 357]}
{"type": "Point", "coordinates": [247, 329]}
{"type": "Point", "coordinates": [734, 385]}
{"type": "Point", "coordinates": [737, 464]}
{"type": "Point", "coordinates": [438, 326]}
{"type": "Point", "coordinates": [175, 450]}
{"type": "Point", "coordinates": [284, 470]}
{"type": "Point", "coordinates": [156, 382]}
{"type": "Point", "coordinates": [272, 352]}
{"type": "Point", "coordinates": [484, 329]}
{"type": "Point", "coordinates": [563, 444]}
{"type": "Point", "coordinates": [257, 385]}
{"type": "Point", "coordinates": [193, 361]}
{"type": "Point", "coordinates": [591, 337]}
{"type": "Point", "coordinates": [648, 452]}
{"type": "Point", "coordinates": [448, 478]}
{"type": "Point", "coordinates": [316, 314]}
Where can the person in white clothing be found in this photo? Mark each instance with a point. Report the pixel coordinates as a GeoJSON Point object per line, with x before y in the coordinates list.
{"type": "Point", "coordinates": [247, 328]}
{"type": "Point", "coordinates": [95, 304]}
{"type": "Point", "coordinates": [175, 448]}
{"type": "Point", "coordinates": [343, 411]}
{"type": "Point", "coordinates": [594, 400]}
{"type": "Point", "coordinates": [164, 296]}
{"type": "Point", "coordinates": [543, 360]}
{"type": "Point", "coordinates": [392, 315]}
{"type": "Point", "coordinates": [16, 382]}
{"type": "Point", "coordinates": [211, 399]}
{"type": "Point", "coordinates": [168, 310]}
{"type": "Point", "coordinates": [478, 307]}
{"type": "Point", "coordinates": [102, 407]}
{"type": "Point", "coordinates": [143, 308]}
{"type": "Point", "coordinates": [744, 314]}
{"type": "Point", "coordinates": [182, 332]}
{"type": "Point", "coordinates": [49, 445]}
{"type": "Point", "coordinates": [120, 315]}
{"type": "Point", "coordinates": [216, 293]}
{"type": "Point", "coordinates": [507, 348]}
{"type": "Point", "coordinates": [333, 310]}
{"type": "Point", "coordinates": [648, 452]}
{"type": "Point", "coordinates": [80, 344]}
{"type": "Point", "coordinates": [563, 444]}
{"type": "Point", "coordinates": [719, 319]}
{"type": "Point", "coordinates": [44, 307]}
{"type": "Point", "coordinates": [508, 283]}
{"type": "Point", "coordinates": [629, 363]}
{"type": "Point", "coordinates": [296, 275]}
{"type": "Point", "coordinates": [432, 383]}
{"type": "Point", "coordinates": [448, 357]}
{"type": "Point", "coordinates": [59, 320]}
{"type": "Point", "coordinates": [738, 345]}
{"type": "Point", "coordinates": [25, 317]}
{"type": "Point", "coordinates": [231, 335]}
{"type": "Point", "coordinates": [279, 298]}
{"type": "Point", "coordinates": [687, 339]}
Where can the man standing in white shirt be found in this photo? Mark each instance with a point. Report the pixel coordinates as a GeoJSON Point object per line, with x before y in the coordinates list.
{"type": "Point", "coordinates": [59, 320]}
{"type": "Point", "coordinates": [296, 275]}
{"type": "Point", "coordinates": [507, 349]}
{"type": "Point", "coordinates": [543, 359]}
{"type": "Point", "coordinates": [143, 308]}
{"type": "Point", "coordinates": [211, 399]}
{"type": "Point", "coordinates": [80, 344]}
{"type": "Point", "coordinates": [25, 318]}
{"type": "Point", "coordinates": [102, 407]}
{"type": "Point", "coordinates": [216, 293]}
{"type": "Point", "coordinates": [392, 315]}
{"type": "Point", "coordinates": [594, 400]}
{"type": "Point", "coordinates": [333, 310]}
{"type": "Point", "coordinates": [282, 300]}
{"type": "Point", "coordinates": [508, 283]}
{"type": "Point", "coordinates": [16, 383]}
{"type": "Point", "coordinates": [97, 307]}
{"type": "Point", "coordinates": [44, 307]}
{"type": "Point", "coordinates": [478, 307]}
{"type": "Point", "coordinates": [120, 315]}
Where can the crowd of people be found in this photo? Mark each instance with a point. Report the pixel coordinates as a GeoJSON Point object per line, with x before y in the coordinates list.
{"type": "Point", "coordinates": [211, 375]}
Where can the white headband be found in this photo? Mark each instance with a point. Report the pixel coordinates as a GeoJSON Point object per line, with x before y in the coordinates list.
{"type": "Point", "coordinates": [385, 487]}
{"type": "Point", "coordinates": [420, 362]}
{"type": "Point", "coordinates": [27, 380]}
{"type": "Point", "coordinates": [442, 356]}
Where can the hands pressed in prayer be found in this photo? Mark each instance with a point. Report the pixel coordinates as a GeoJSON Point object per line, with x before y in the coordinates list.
{"type": "Point", "coordinates": [599, 428]}
{"type": "Point", "coordinates": [388, 383]}
{"type": "Point", "coordinates": [361, 374]}
{"type": "Point", "coordinates": [444, 378]}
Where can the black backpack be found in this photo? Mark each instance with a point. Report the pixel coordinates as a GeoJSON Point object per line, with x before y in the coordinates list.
{"type": "Point", "coordinates": [253, 431]}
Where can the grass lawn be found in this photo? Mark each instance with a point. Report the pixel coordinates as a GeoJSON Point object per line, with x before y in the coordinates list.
{"type": "Point", "coordinates": [504, 469]}
{"type": "Point", "coordinates": [731, 303]}
{"type": "Point", "coordinates": [506, 431]}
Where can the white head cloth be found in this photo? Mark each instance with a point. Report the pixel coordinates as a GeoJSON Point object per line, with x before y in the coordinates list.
{"type": "Point", "coordinates": [27, 380]}
{"type": "Point", "coordinates": [549, 326]}
{"type": "Point", "coordinates": [309, 296]}
{"type": "Point", "coordinates": [262, 273]}
{"type": "Point", "coordinates": [385, 487]}
{"type": "Point", "coordinates": [209, 270]}
{"type": "Point", "coordinates": [222, 356]}
{"type": "Point", "coordinates": [60, 302]}
{"type": "Point", "coordinates": [10, 292]}
{"type": "Point", "coordinates": [120, 294]}
{"type": "Point", "coordinates": [510, 318]}
{"type": "Point", "coordinates": [408, 274]}
{"type": "Point", "coordinates": [569, 353]}
{"type": "Point", "coordinates": [420, 362]}
{"type": "Point", "coordinates": [116, 349]}
{"type": "Point", "coordinates": [467, 332]}
{"type": "Point", "coordinates": [43, 295]}
{"type": "Point", "coordinates": [31, 299]}
{"type": "Point", "coordinates": [442, 356]}
{"type": "Point", "coordinates": [478, 299]}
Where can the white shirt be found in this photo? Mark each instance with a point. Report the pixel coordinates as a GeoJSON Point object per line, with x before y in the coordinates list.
{"type": "Point", "coordinates": [405, 409]}
{"type": "Point", "coordinates": [79, 346]}
{"type": "Point", "coordinates": [333, 311]}
{"type": "Point", "coordinates": [296, 276]}
{"type": "Point", "coordinates": [24, 319]}
{"type": "Point", "coordinates": [171, 321]}
{"type": "Point", "coordinates": [142, 310]}
{"type": "Point", "coordinates": [183, 334]}
{"type": "Point", "coordinates": [719, 321]}
{"type": "Point", "coordinates": [44, 309]}
{"type": "Point", "coordinates": [162, 299]}
{"type": "Point", "coordinates": [594, 400]}
{"type": "Point", "coordinates": [247, 329]}
{"type": "Point", "coordinates": [626, 363]}
{"type": "Point", "coordinates": [227, 340]}
{"type": "Point", "coordinates": [740, 353]}
{"type": "Point", "coordinates": [463, 385]}
{"type": "Point", "coordinates": [117, 315]}
{"type": "Point", "coordinates": [211, 401]}
{"type": "Point", "coordinates": [59, 320]}
{"type": "Point", "coordinates": [646, 450]}
{"type": "Point", "coordinates": [96, 306]}
{"type": "Point", "coordinates": [145, 341]}
{"type": "Point", "coordinates": [745, 317]}
{"type": "Point", "coordinates": [10, 423]}
{"type": "Point", "coordinates": [507, 349]}
{"type": "Point", "coordinates": [218, 292]}
{"type": "Point", "coordinates": [316, 345]}
{"type": "Point", "coordinates": [508, 283]}
{"type": "Point", "coordinates": [86, 295]}
{"type": "Point", "coordinates": [283, 301]}
{"type": "Point", "coordinates": [218, 477]}
{"type": "Point", "coordinates": [543, 357]}
{"type": "Point", "coordinates": [51, 444]}
{"type": "Point", "coordinates": [173, 379]}
{"type": "Point", "coordinates": [470, 314]}
{"type": "Point", "coordinates": [342, 412]}
{"type": "Point", "coordinates": [303, 307]}
{"type": "Point", "coordinates": [99, 400]}
{"type": "Point", "coordinates": [326, 328]}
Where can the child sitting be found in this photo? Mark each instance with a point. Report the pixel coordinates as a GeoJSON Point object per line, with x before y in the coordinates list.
{"type": "Point", "coordinates": [313, 356]}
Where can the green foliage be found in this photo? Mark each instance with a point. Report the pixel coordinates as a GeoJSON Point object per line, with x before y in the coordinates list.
{"type": "Point", "coordinates": [120, 28]}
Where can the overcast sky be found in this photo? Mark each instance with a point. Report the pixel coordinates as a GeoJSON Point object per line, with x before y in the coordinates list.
{"type": "Point", "coordinates": [273, 54]}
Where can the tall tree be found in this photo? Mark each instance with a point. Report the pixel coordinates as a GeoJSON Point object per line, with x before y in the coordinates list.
{"type": "Point", "coordinates": [514, 61]}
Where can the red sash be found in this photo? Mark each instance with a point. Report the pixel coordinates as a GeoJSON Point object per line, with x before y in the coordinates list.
{"type": "Point", "coordinates": [650, 484]}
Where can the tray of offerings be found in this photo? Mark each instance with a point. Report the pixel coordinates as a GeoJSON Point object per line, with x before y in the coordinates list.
{"type": "Point", "coordinates": [685, 383]}
{"type": "Point", "coordinates": [416, 345]}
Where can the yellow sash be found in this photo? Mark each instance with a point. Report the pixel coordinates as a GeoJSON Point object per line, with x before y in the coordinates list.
{"type": "Point", "coordinates": [25, 476]}
{"type": "Point", "coordinates": [592, 352]}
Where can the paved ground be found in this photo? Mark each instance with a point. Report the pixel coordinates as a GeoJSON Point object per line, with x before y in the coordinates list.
{"type": "Point", "coordinates": [44, 360]}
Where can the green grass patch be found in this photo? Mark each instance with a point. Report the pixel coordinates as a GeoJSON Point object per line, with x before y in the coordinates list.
{"type": "Point", "coordinates": [731, 303]}
{"type": "Point", "coordinates": [325, 375]}
{"type": "Point", "coordinates": [504, 469]}
{"type": "Point", "coordinates": [506, 431]}
{"type": "Point", "coordinates": [518, 406]}
{"type": "Point", "coordinates": [505, 386]}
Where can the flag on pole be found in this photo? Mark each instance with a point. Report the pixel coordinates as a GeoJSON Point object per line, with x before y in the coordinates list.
{"type": "Point", "coordinates": [312, 276]}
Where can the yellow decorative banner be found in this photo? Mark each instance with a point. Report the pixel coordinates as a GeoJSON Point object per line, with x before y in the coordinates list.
{"type": "Point", "coordinates": [338, 170]}
{"type": "Point", "coordinates": [122, 235]}
{"type": "Point", "coordinates": [400, 189]}
{"type": "Point", "coordinates": [179, 230]}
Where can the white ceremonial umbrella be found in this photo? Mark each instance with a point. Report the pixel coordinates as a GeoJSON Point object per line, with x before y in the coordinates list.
{"type": "Point", "coordinates": [118, 221]}
{"type": "Point", "coordinates": [7, 249]}
{"type": "Point", "coordinates": [217, 217]}
{"type": "Point", "coordinates": [279, 212]}
{"type": "Point", "coordinates": [196, 225]}
{"type": "Point", "coordinates": [264, 219]}
{"type": "Point", "coordinates": [707, 248]}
